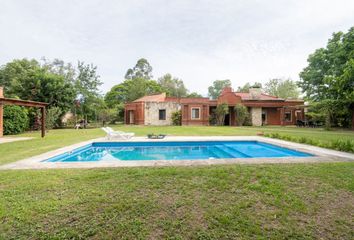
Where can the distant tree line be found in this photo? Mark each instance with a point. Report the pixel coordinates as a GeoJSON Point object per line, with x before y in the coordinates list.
{"type": "Point", "coordinates": [328, 81]}
{"type": "Point", "coordinates": [64, 86]}
{"type": "Point", "coordinates": [327, 84]}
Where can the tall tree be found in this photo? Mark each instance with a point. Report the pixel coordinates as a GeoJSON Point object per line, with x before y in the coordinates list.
{"type": "Point", "coordinates": [130, 90]}
{"type": "Point", "coordinates": [137, 83]}
{"type": "Point", "coordinates": [215, 90]}
{"type": "Point", "coordinates": [86, 85]}
{"type": "Point", "coordinates": [172, 86]}
{"type": "Point", "coordinates": [283, 88]}
{"type": "Point", "coordinates": [194, 95]}
{"type": "Point", "coordinates": [59, 67]}
{"type": "Point", "coordinates": [28, 80]}
{"type": "Point", "coordinates": [13, 73]}
{"type": "Point", "coordinates": [142, 69]}
{"type": "Point", "coordinates": [87, 80]}
{"type": "Point", "coordinates": [329, 76]}
{"type": "Point", "coordinates": [245, 88]}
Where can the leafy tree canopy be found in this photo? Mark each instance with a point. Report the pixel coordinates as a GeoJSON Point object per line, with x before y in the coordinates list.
{"type": "Point", "coordinates": [194, 95]}
{"type": "Point", "coordinates": [330, 70]}
{"type": "Point", "coordinates": [59, 67]}
{"type": "Point", "coordinates": [329, 76]}
{"type": "Point", "coordinates": [283, 88]}
{"type": "Point", "coordinates": [27, 79]}
{"type": "Point", "coordinates": [130, 90]}
{"type": "Point", "coordinates": [13, 73]}
{"type": "Point", "coordinates": [215, 90]}
{"type": "Point", "coordinates": [172, 86]}
{"type": "Point", "coordinates": [54, 82]}
{"type": "Point", "coordinates": [247, 86]}
{"type": "Point", "coordinates": [87, 80]}
{"type": "Point", "coordinates": [142, 69]}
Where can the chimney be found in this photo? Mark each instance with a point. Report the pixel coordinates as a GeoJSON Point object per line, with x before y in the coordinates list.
{"type": "Point", "coordinates": [1, 92]}
{"type": "Point", "coordinates": [255, 93]}
{"type": "Point", "coordinates": [226, 90]}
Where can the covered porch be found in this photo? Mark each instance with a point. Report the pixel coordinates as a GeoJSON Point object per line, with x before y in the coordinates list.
{"type": "Point", "coordinates": [289, 115]}
{"type": "Point", "coordinates": [19, 102]}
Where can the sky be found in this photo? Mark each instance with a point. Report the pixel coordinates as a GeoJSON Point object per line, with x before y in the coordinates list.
{"type": "Point", "coordinates": [196, 41]}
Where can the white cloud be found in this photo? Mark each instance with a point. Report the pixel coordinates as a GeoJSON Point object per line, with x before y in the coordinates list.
{"type": "Point", "coordinates": [198, 41]}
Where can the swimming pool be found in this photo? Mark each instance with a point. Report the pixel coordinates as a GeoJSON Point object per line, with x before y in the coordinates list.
{"type": "Point", "coordinates": [186, 150]}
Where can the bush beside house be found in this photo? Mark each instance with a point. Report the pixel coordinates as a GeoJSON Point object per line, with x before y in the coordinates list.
{"type": "Point", "coordinates": [15, 120]}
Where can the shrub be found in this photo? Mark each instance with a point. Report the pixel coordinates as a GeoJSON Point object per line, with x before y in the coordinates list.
{"type": "Point", "coordinates": [340, 145]}
{"type": "Point", "coordinates": [303, 140]}
{"type": "Point", "coordinates": [177, 118]}
{"type": "Point", "coordinates": [242, 114]}
{"type": "Point", "coordinates": [52, 119]}
{"type": "Point", "coordinates": [212, 119]}
{"type": "Point", "coordinates": [343, 145]}
{"type": "Point", "coordinates": [108, 116]}
{"type": "Point", "coordinates": [220, 111]}
{"type": "Point", "coordinates": [15, 120]}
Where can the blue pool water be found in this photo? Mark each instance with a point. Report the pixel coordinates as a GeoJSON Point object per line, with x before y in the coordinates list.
{"type": "Point", "coordinates": [127, 151]}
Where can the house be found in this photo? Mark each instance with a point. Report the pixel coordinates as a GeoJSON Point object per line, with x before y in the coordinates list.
{"type": "Point", "coordinates": [264, 109]}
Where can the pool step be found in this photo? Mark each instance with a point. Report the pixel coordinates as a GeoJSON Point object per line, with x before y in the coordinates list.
{"type": "Point", "coordinates": [219, 152]}
{"type": "Point", "coordinates": [234, 152]}
{"type": "Point", "coordinates": [230, 152]}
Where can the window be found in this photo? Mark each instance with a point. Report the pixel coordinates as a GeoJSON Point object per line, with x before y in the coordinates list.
{"type": "Point", "coordinates": [287, 116]}
{"type": "Point", "coordinates": [162, 114]}
{"type": "Point", "coordinates": [195, 113]}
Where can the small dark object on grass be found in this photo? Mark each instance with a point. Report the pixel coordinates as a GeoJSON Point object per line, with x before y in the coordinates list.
{"type": "Point", "coordinates": [156, 136]}
{"type": "Point", "coordinates": [260, 133]}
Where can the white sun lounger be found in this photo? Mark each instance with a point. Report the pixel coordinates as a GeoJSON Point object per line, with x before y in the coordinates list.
{"type": "Point", "coordinates": [117, 134]}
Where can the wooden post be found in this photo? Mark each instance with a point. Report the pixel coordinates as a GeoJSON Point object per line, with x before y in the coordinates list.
{"type": "Point", "coordinates": [1, 113]}
{"type": "Point", "coordinates": [282, 116]}
{"type": "Point", "coordinates": [352, 117]}
{"type": "Point", "coordinates": [43, 121]}
{"type": "Point", "coordinates": [1, 120]}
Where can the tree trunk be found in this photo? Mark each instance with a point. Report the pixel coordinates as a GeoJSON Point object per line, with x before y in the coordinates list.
{"type": "Point", "coordinates": [353, 117]}
{"type": "Point", "coordinates": [328, 121]}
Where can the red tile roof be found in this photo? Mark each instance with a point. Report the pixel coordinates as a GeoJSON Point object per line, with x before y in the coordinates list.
{"type": "Point", "coordinates": [162, 98]}
{"type": "Point", "coordinates": [246, 96]}
{"type": "Point", "coordinates": [152, 98]}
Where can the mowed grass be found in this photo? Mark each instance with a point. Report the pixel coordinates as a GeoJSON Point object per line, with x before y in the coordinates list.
{"type": "Point", "coordinates": [10, 152]}
{"type": "Point", "coordinates": [314, 133]}
{"type": "Point", "coordinates": [285, 201]}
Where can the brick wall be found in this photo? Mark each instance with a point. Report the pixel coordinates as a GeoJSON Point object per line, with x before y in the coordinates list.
{"type": "Point", "coordinates": [1, 113]}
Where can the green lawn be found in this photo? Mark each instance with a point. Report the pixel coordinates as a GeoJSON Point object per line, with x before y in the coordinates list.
{"type": "Point", "coordinates": [284, 201]}
{"type": "Point", "coordinates": [11, 152]}
{"type": "Point", "coordinates": [298, 201]}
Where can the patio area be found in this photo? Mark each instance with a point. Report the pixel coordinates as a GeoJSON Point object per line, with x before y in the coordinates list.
{"type": "Point", "coordinates": [320, 155]}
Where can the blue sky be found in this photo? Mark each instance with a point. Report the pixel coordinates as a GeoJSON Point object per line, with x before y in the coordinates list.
{"type": "Point", "coordinates": [197, 41]}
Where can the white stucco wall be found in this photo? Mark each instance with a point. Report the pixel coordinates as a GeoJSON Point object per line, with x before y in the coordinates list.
{"type": "Point", "coordinates": [256, 116]}
{"type": "Point", "coordinates": [151, 112]}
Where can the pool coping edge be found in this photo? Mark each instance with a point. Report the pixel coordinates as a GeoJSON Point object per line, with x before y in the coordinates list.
{"type": "Point", "coordinates": [321, 154]}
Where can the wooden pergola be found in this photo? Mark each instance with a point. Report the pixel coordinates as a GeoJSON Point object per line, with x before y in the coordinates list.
{"type": "Point", "coordinates": [19, 102]}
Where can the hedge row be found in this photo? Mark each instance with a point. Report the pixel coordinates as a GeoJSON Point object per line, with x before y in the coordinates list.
{"type": "Point", "coordinates": [339, 144]}
{"type": "Point", "coordinates": [15, 120]}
